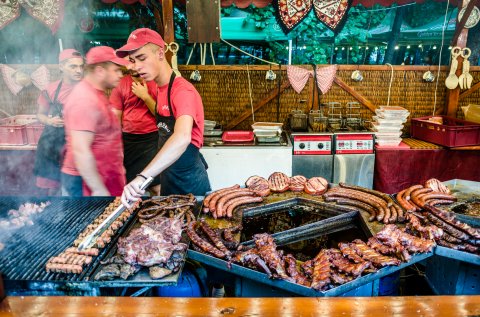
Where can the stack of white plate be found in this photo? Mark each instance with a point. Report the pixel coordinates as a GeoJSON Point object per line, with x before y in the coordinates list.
{"type": "Point", "coordinates": [267, 131]}
{"type": "Point", "coordinates": [388, 124]}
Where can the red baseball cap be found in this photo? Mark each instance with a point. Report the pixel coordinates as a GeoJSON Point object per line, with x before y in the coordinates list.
{"type": "Point", "coordinates": [138, 39]}
{"type": "Point", "coordinates": [101, 54]}
{"type": "Point", "coordinates": [68, 53]}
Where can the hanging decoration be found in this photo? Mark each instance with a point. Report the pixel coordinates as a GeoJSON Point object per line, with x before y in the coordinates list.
{"type": "Point", "coordinates": [16, 79]}
{"type": "Point", "coordinates": [299, 76]}
{"type": "Point", "coordinates": [49, 12]}
{"type": "Point", "coordinates": [290, 13]}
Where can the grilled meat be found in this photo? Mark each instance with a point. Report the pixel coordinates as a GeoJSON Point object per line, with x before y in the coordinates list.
{"type": "Point", "coordinates": [322, 271]}
{"type": "Point", "coordinates": [259, 185]}
{"type": "Point", "coordinates": [371, 255]}
{"type": "Point", "coordinates": [297, 183]}
{"type": "Point", "coordinates": [267, 249]}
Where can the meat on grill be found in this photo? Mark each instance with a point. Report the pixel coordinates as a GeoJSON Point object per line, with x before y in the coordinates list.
{"type": "Point", "coordinates": [278, 182]}
{"type": "Point", "coordinates": [371, 255]}
{"type": "Point", "coordinates": [316, 186]}
{"type": "Point", "coordinates": [294, 273]}
{"type": "Point", "coordinates": [322, 271]}
{"type": "Point", "coordinates": [449, 218]}
{"type": "Point", "coordinates": [267, 249]}
{"type": "Point", "coordinates": [63, 268]}
{"type": "Point", "coordinates": [349, 252]}
{"type": "Point", "coordinates": [297, 183]}
{"type": "Point", "coordinates": [344, 265]}
{"type": "Point", "coordinates": [209, 197]}
{"type": "Point", "coordinates": [437, 186]}
{"type": "Point", "coordinates": [146, 246]}
{"type": "Point", "coordinates": [259, 185]}
{"type": "Point", "coordinates": [411, 243]}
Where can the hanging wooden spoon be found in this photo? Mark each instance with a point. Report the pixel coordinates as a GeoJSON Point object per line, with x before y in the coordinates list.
{"type": "Point", "coordinates": [452, 80]}
{"type": "Point", "coordinates": [466, 52]}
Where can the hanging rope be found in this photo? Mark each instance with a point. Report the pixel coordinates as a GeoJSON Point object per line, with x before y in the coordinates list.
{"type": "Point", "coordinates": [240, 50]}
{"type": "Point", "coordinates": [191, 52]}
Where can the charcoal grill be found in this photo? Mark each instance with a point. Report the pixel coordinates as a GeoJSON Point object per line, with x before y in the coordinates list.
{"type": "Point", "coordinates": [27, 249]}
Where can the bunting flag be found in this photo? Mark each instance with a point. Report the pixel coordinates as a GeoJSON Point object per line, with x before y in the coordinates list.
{"type": "Point", "coordinates": [290, 13]}
{"type": "Point", "coordinates": [298, 77]}
{"type": "Point", "coordinates": [16, 80]}
{"type": "Point", "coordinates": [325, 77]}
{"type": "Point", "coordinates": [49, 12]}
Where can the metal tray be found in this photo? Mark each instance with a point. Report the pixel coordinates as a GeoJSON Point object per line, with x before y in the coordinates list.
{"type": "Point", "coordinates": [141, 278]}
{"type": "Point", "coordinates": [296, 288]}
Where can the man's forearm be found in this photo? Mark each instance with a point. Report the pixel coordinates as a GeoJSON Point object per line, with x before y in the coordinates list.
{"type": "Point", "coordinates": [150, 102]}
{"type": "Point", "coordinates": [87, 167]}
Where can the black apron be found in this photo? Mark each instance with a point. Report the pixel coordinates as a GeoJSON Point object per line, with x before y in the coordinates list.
{"type": "Point", "coordinates": [50, 146]}
{"type": "Point", "coordinates": [138, 151]}
{"type": "Point", "coordinates": [189, 173]}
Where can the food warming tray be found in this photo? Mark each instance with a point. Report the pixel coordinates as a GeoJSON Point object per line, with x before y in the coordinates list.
{"type": "Point", "coordinates": [237, 136]}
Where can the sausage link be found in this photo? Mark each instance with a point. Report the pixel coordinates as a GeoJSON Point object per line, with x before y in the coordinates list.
{"type": "Point", "coordinates": [352, 202]}
{"type": "Point", "coordinates": [209, 197]}
{"type": "Point", "coordinates": [394, 215]}
{"type": "Point", "coordinates": [376, 202]}
{"type": "Point", "coordinates": [417, 192]}
{"type": "Point", "coordinates": [403, 202]}
{"type": "Point", "coordinates": [381, 195]}
{"type": "Point", "coordinates": [230, 195]}
{"type": "Point", "coordinates": [241, 201]}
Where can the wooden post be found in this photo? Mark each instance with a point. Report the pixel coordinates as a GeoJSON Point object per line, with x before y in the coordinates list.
{"type": "Point", "coordinates": [168, 30]}
{"type": "Point", "coordinates": [459, 39]}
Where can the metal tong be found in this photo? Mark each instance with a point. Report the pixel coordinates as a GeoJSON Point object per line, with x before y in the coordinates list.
{"type": "Point", "coordinates": [92, 238]}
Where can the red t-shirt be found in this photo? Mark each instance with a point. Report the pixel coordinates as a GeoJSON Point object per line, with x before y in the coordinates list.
{"type": "Point", "coordinates": [185, 100]}
{"type": "Point", "coordinates": [88, 109]}
{"type": "Point", "coordinates": [65, 91]}
{"type": "Point", "coordinates": [136, 118]}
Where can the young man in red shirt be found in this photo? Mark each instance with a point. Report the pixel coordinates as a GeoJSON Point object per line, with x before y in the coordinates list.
{"type": "Point", "coordinates": [94, 153]}
{"type": "Point", "coordinates": [134, 101]}
{"type": "Point", "coordinates": [179, 117]}
{"type": "Point", "coordinates": [49, 154]}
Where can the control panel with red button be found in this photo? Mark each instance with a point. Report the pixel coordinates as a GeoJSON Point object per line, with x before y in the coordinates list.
{"type": "Point", "coordinates": [354, 143]}
{"type": "Point", "coordinates": [312, 144]}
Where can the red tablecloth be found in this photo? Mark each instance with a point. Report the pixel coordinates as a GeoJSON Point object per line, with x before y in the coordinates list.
{"type": "Point", "coordinates": [398, 169]}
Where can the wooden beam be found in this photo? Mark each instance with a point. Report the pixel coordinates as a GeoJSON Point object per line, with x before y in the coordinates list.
{"type": "Point", "coordinates": [459, 39]}
{"type": "Point", "coordinates": [460, 26]}
{"type": "Point", "coordinates": [247, 113]}
{"type": "Point", "coordinates": [355, 94]}
{"type": "Point", "coordinates": [467, 93]}
{"type": "Point", "coordinates": [168, 30]}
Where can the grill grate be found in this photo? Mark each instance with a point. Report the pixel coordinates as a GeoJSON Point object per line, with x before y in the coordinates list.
{"type": "Point", "coordinates": [27, 249]}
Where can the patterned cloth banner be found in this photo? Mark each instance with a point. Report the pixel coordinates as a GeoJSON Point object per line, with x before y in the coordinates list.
{"type": "Point", "coordinates": [298, 77]}
{"type": "Point", "coordinates": [290, 13]}
{"type": "Point", "coordinates": [49, 12]}
{"type": "Point", "coordinates": [325, 77]}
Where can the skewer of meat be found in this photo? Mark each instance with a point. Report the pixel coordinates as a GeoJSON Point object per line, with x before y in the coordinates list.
{"type": "Point", "coordinates": [63, 268]}
{"type": "Point", "coordinates": [90, 251]}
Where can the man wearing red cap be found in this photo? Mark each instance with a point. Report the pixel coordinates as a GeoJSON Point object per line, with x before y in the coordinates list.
{"type": "Point", "coordinates": [179, 117]}
{"type": "Point", "coordinates": [133, 101]}
{"type": "Point", "coordinates": [50, 146]}
{"type": "Point", "coordinates": [94, 141]}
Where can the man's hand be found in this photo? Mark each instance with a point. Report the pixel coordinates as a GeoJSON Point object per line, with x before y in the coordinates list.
{"type": "Point", "coordinates": [140, 90]}
{"type": "Point", "coordinates": [132, 192]}
{"type": "Point", "coordinates": [56, 122]}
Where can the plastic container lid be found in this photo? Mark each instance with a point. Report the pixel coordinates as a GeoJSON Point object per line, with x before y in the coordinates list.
{"type": "Point", "coordinates": [267, 126]}
{"type": "Point", "coordinates": [393, 109]}
{"type": "Point", "coordinates": [213, 132]}
{"type": "Point", "coordinates": [385, 121]}
{"type": "Point", "coordinates": [392, 142]}
{"type": "Point", "coordinates": [388, 135]}
{"type": "Point", "coordinates": [267, 133]}
{"type": "Point", "coordinates": [209, 125]}
{"type": "Point", "coordinates": [396, 115]}
{"type": "Point", "coordinates": [386, 128]}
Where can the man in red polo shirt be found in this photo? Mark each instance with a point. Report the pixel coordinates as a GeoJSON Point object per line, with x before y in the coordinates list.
{"type": "Point", "coordinates": [179, 118]}
{"type": "Point", "coordinates": [49, 154]}
{"type": "Point", "coordinates": [94, 140]}
{"type": "Point", "coordinates": [133, 101]}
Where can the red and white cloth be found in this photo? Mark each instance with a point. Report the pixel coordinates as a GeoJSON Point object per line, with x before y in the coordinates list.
{"type": "Point", "coordinates": [40, 78]}
{"type": "Point", "coordinates": [298, 77]}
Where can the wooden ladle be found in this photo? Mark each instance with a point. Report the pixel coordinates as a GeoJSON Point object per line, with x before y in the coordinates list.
{"type": "Point", "coordinates": [452, 80]}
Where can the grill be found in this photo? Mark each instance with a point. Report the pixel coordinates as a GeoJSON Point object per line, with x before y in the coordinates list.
{"type": "Point", "coordinates": [337, 227]}
{"type": "Point", "coordinates": [27, 249]}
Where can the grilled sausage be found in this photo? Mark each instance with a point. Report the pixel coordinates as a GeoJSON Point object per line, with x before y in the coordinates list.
{"type": "Point", "coordinates": [241, 201]}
